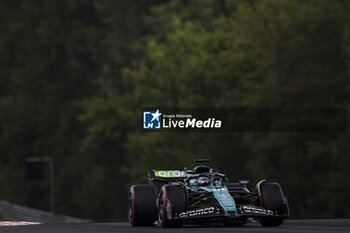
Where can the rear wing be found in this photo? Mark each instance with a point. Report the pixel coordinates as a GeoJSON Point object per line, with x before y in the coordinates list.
{"type": "Point", "coordinates": [166, 176]}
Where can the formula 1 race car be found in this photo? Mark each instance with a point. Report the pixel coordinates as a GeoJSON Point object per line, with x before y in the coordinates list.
{"type": "Point", "coordinates": [203, 196]}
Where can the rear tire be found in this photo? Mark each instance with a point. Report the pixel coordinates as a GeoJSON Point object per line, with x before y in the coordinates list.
{"type": "Point", "coordinates": [142, 205]}
{"type": "Point", "coordinates": [271, 198]}
{"type": "Point", "coordinates": [172, 202]}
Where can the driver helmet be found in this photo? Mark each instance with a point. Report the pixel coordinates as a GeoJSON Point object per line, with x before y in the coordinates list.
{"type": "Point", "coordinates": [203, 181]}
{"type": "Point", "coordinates": [218, 182]}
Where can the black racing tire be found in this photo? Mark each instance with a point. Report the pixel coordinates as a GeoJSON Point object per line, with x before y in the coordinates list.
{"type": "Point", "coordinates": [142, 205]}
{"type": "Point", "coordinates": [271, 198]}
{"type": "Point", "coordinates": [172, 200]}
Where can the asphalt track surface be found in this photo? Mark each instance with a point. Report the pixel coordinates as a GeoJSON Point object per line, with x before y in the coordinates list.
{"type": "Point", "coordinates": [307, 226]}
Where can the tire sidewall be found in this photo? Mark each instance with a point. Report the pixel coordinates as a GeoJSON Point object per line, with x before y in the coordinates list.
{"type": "Point", "coordinates": [173, 197]}
{"type": "Point", "coordinates": [142, 205]}
{"type": "Point", "coordinates": [271, 197]}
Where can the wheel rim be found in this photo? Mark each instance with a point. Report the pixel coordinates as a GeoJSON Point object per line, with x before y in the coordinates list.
{"type": "Point", "coordinates": [161, 211]}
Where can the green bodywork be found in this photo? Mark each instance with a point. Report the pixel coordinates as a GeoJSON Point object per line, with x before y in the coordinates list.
{"type": "Point", "coordinates": [221, 193]}
{"type": "Point", "coordinates": [223, 196]}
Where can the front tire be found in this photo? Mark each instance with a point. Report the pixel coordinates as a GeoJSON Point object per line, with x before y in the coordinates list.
{"type": "Point", "coordinates": [271, 198]}
{"type": "Point", "coordinates": [142, 205]}
{"type": "Point", "coordinates": [172, 201]}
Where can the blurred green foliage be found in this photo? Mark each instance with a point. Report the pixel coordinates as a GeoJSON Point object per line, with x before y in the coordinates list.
{"type": "Point", "coordinates": [75, 74]}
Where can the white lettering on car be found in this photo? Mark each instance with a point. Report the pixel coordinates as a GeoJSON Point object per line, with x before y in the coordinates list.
{"type": "Point", "coordinates": [256, 210]}
{"type": "Point", "coordinates": [197, 212]}
{"type": "Point", "coordinates": [170, 173]}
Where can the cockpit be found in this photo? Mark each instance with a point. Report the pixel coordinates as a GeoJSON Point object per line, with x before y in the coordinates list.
{"type": "Point", "coordinates": [205, 181]}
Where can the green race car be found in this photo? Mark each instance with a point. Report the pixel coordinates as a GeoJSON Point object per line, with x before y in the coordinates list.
{"type": "Point", "coordinates": [203, 196]}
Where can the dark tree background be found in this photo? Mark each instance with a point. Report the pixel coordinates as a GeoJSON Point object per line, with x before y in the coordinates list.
{"type": "Point", "coordinates": [75, 74]}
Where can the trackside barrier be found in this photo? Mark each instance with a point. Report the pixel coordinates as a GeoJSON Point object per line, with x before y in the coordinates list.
{"type": "Point", "coordinates": [15, 212]}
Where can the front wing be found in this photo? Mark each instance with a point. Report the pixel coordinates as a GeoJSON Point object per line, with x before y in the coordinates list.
{"type": "Point", "coordinates": [217, 212]}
